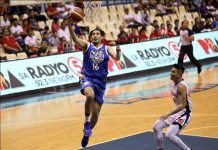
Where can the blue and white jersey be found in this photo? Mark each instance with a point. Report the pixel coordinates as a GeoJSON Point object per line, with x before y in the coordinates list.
{"type": "Point", "coordinates": [95, 62]}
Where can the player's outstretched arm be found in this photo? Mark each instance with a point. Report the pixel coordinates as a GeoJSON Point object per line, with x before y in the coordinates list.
{"type": "Point", "coordinates": [114, 55]}
{"type": "Point", "coordinates": [81, 43]}
{"type": "Point", "coordinates": [181, 92]}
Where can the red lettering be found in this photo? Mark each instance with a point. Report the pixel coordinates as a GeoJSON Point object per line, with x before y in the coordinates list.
{"type": "Point", "coordinates": [204, 46]}
{"type": "Point", "coordinates": [111, 64]}
{"type": "Point", "coordinates": [211, 45]}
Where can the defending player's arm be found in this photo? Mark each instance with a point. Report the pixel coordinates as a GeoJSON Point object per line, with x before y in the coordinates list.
{"type": "Point", "coordinates": [181, 92]}
{"type": "Point", "coordinates": [81, 43]}
{"type": "Point", "coordinates": [115, 56]}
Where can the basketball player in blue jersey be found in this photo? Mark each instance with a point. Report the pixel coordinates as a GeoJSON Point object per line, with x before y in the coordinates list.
{"type": "Point", "coordinates": [94, 71]}
{"type": "Point", "coordinates": [176, 119]}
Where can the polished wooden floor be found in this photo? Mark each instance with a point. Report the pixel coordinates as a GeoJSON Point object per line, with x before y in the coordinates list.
{"type": "Point", "coordinates": [57, 124]}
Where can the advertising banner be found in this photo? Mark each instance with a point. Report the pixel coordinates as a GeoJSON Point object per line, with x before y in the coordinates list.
{"type": "Point", "coordinates": [43, 72]}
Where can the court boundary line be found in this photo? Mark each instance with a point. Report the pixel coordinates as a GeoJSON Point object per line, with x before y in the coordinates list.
{"type": "Point", "coordinates": [146, 131]}
{"type": "Point", "coordinates": [106, 117]}
{"type": "Point", "coordinates": [113, 139]}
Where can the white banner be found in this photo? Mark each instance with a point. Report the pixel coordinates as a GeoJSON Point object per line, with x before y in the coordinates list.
{"type": "Point", "coordinates": [43, 72]}
{"type": "Point", "coordinates": [32, 2]}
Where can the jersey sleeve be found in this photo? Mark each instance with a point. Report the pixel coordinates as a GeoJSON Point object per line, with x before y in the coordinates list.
{"type": "Point", "coordinates": [190, 32]}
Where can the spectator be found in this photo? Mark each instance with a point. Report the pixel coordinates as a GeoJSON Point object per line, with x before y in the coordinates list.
{"type": "Point", "coordinates": [196, 26]}
{"type": "Point", "coordinates": [5, 22]}
{"type": "Point", "coordinates": [152, 4]}
{"type": "Point", "coordinates": [211, 9]}
{"type": "Point", "coordinates": [44, 49]}
{"type": "Point", "coordinates": [168, 22]}
{"type": "Point", "coordinates": [55, 25]}
{"type": "Point", "coordinates": [64, 32]}
{"type": "Point", "coordinates": [25, 25]}
{"type": "Point", "coordinates": [31, 43]}
{"type": "Point", "coordinates": [198, 3]}
{"type": "Point", "coordinates": [145, 17]}
{"type": "Point", "coordinates": [62, 13]}
{"type": "Point", "coordinates": [121, 28]}
{"type": "Point", "coordinates": [163, 31]}
{"type": "Point", "coordinates": [51, 11]}
{"type": "Point", "coordinates": [207, 27]}
{"type": "Point", "coordinates": [156, 33]}
{"type": "Point", "coordinates": [134, 36]}
{"type": "Point", "coordinates": [204, 11]}
{"type": "Point", "coordinates": [215, 23]}
{"type": "Point", "coordinates": [190, 7]}
{"type": "Point", "coordinates": [122, 38]}
{"type": "Point", "coordinates": [9, 43]}
{"type": "Point", "coordinates": [69, 6]}
{"type": "Point", "coordinates": [142, 34]}
{"type": "Point", "coordinates": [33, 21]}
{"type": "Point", "coordinates": [176, 26]}
{"type": "Point", "coordinates": [137, 16]}
{"type": "Point", "coordinates": [18, 33]}
{"type": "Point", "coordinates": [161, 8]}
{"type": "Point", "coordinates": [46, 37]}
{"type": "Point", "coordinates": [16, 29]}
{"type": "Point", "coordinates": [127, 18]}
{"type": "Point", "coordinates": [54, 39]}
{"type": "Point", "coordinates": [201, 26]}
{"type": "Point", "coordinates": [155, 22]}
{"type": "Point", "coordinates": [215, 4]}
{"type": "Point", "coordinates": [3, 10]}
{"type": "Point", "coordinates": [170, 33]}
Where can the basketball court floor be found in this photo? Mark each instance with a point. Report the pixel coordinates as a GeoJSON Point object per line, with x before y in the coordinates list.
{"type": "Point", "coordinates": [53, 120]}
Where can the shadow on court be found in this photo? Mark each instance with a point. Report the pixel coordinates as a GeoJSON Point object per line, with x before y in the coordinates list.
{"type": "Point", "coordinates": [145, 141]}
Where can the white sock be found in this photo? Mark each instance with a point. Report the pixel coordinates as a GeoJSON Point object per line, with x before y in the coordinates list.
{"type": "Point", "coordinates": [87, 118]}
{"type": "Point", "coordinates": [188, 148]}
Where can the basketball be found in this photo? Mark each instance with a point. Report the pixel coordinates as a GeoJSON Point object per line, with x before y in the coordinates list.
{"type": "Point", "coordinates": [76, 14]}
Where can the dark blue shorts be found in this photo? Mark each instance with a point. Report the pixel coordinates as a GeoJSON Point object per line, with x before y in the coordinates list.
{"type": "Point", "coordinates": [97, 85]}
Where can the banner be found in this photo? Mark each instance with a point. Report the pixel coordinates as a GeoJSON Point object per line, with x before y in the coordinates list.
{"type": "Point", "coordinates": [49, 71]}
{"type": "Point", "coordinates": [32, 2]}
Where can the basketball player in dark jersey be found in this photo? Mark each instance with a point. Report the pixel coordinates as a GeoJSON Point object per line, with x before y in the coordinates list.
{"type": "Point", "coordinates": [94, 71]}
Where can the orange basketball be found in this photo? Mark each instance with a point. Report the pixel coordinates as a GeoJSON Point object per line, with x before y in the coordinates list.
{"type": "Point", "coordinates": [76, 14]}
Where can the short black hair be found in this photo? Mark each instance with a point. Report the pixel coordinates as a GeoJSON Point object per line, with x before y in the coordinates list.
{"type": "Point", "coordinates": [179, 67]}
{"type": "Point", "coordinates": [98, 29]}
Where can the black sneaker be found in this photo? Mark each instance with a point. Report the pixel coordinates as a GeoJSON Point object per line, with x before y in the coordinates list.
{"type": "Point", "coordinates": [85, 141]}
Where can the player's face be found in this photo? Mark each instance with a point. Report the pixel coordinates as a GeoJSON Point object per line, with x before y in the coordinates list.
{"type": "Point", "coordinates": [174, 74]}
{"type": "Point", "coordinates": [96, 36]}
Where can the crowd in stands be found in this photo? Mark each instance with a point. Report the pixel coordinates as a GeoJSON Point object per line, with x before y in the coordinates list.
{"type": "Point", "coordinates": [41, 30]}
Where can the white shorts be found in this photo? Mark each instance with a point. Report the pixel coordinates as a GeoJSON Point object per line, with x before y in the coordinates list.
{"type": "Point", "coordinates": [181, 119]}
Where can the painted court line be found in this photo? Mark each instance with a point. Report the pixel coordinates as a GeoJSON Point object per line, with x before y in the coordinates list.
{"type": "Point", "coordinates": [108, 117]}
{"type": "Point", "coordinates": [118, 138]}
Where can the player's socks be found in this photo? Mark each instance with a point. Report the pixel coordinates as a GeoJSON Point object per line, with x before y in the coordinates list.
{"type": "Point", "coordinates": [87, 117]}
